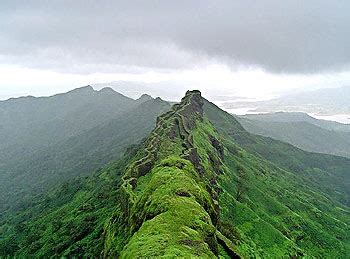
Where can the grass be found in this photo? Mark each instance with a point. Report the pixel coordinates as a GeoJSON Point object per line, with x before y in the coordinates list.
{"type": "Point", "coordinates": [172, 209]}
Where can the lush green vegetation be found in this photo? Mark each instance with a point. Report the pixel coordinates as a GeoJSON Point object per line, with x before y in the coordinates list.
{"type": "Point", "coordinates": [198, 186]}
{"type": "Point", "coordinates": [326, 173]}
{"type": "Point", "coordinates": [265, 216]}
{"type": "Point", "coordinates": [68, 221]}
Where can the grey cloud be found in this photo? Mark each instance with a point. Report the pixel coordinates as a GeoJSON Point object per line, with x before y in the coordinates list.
{"type": "Point", "coordinates": [292, 36]}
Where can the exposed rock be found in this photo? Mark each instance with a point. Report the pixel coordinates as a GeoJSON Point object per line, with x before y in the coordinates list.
{"type": "Point", "coordinates": [218, 146]}
{"type": "Point", "coordinates": [193, 157]}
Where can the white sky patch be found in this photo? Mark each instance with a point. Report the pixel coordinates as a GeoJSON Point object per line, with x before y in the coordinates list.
{"type": "Point", "coordinates": [213, 80]}
{"type": "Point", "coordinates": [342, 118]}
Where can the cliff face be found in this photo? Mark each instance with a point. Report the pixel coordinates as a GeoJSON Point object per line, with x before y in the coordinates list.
{"type": "Point", "coordinates": [170, 205]}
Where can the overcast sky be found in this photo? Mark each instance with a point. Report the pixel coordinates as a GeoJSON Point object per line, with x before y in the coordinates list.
{"type": "Point", "coordinates": [242, 47]}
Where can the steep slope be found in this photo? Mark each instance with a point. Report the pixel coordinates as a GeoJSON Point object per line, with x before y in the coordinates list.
{"type": "Point", "coordinates": [69, 220]}
{"type": "Point", "coordinates": [327, 173]}
{"type": "Point", "coordinates": [198, 186]}
{"type": "Point", "coordinates": [301, 134]}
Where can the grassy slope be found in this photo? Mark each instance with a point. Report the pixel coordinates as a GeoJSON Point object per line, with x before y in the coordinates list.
{"type": "Point", "coordinates": [328, 174]}
{"type": "Point", "coordinates": [268, 211]}
{"type": "Point", "coordinates": [277, 213]}
{"type": "Point", "coordinates": [69, 220]}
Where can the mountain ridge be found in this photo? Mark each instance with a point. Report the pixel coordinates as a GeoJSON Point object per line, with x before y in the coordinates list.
{"type": "Point", "coordinates": [180, 120]}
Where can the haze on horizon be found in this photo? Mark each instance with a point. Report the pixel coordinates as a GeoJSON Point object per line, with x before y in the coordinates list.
{"type": "Point", "coordinates": [223, 48]}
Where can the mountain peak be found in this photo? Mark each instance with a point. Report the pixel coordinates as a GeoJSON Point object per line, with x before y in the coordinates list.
{"type": "Point", "coordinates": [190, 108]}
{"type": "Point", "coordinates": [107, 90]}
{"type": "Point", "coordinates": [144, 98]}
{"type": "Point", "coordinates": [84, 89]}
{"type": "Point", "coordinates": [194, 99]}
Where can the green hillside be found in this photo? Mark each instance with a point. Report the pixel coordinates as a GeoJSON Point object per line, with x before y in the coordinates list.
{"type": "Point", "coordinates": [198, 186]}
{"type": "Point", "coordinates": [329, 174]}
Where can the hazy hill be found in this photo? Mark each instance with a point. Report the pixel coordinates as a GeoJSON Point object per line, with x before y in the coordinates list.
{"type": "Point", "coordinates": [53, 139]}
{"type": "Point", "coordinates": [32, 122]}
{"type": "Point", "coordinates": [301, 131]}
{"type": "Point", "coordinates": [29, 123]}
{"type": "Point", "coordinates": [198, 186]}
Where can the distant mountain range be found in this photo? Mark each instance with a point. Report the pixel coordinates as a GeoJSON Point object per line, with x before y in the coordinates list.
{"type": "Point", "coordinates": [168, 90]}
{"type": "Point", "coordinates": [301, 130]}
{"type": "Point", "coordinates": [322, 101]}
